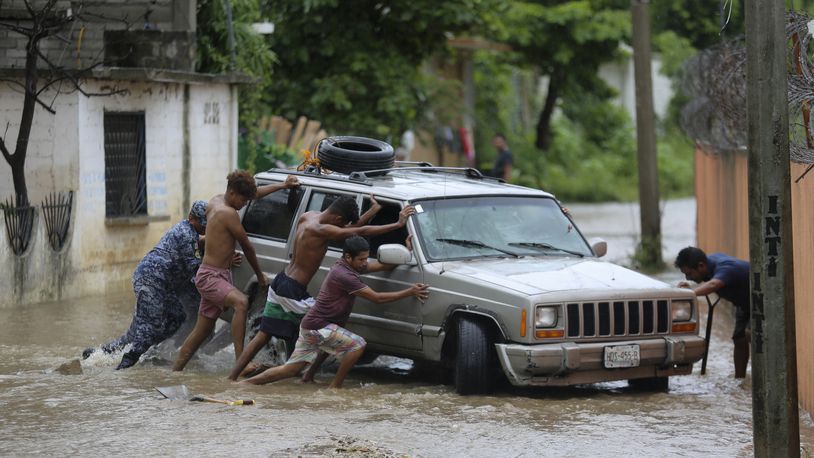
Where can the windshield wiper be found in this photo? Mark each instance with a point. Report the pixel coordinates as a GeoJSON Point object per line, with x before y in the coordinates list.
{"type": "Point", "coordinates": [476, 244]}
{"type": "Point", "coordinates": [545, 246]}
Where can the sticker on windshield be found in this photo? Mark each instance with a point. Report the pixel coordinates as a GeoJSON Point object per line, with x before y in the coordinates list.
{"type": "Point", "coordinates": [419, 209]}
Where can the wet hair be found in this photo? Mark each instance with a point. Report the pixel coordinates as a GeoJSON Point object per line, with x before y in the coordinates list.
{"type": "Point", "coordinates": [345, 207]}
{"type": "Point", "coordinates": [242, 183]}
{"type": "Point", "coordinates": [690, 257]}
{"type": "Point", "coordinates": [354, 245]}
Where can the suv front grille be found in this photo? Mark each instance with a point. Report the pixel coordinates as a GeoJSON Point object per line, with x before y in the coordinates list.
{"type": "Point", "coordinates": [617, 318]}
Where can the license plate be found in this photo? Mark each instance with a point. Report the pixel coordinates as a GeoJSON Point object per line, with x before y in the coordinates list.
{"type": "Point", "coordinates": [622, 356]}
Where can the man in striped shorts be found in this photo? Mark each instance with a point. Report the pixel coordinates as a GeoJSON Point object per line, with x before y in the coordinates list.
{"type": "Point", "coordinates": [322, 327]}
{"type": "Point", "coordinates": [288, 299]}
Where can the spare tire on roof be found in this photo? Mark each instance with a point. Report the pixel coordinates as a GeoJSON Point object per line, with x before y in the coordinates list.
{"type": "Point", "coordinates": [354, 154]}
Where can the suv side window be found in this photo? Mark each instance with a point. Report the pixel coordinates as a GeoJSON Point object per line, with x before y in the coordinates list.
{"type": "Point", "coordinates": [388, 214]}
{"type": "Point", "coordinates": [320, 200]}
{"type": "Point", "coordinates": [271, 216]}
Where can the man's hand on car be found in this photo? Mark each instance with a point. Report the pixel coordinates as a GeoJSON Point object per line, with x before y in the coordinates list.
{"type": "Point", "coordinates": [291, 181]}
{"type": "Point", "coordinates": [405, 213]}
{"type": "Point", "coordinates": [419, 290]}
{"type": "Point", "coordinates": [374, 204]}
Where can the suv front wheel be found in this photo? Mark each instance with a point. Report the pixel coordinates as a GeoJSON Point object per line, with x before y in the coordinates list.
{"type": "Point", "coordinates": [474, 357]}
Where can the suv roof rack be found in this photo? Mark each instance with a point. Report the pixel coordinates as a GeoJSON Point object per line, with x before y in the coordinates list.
{"type": "Point", "coordinates": [469, 172]}
{"type": "Point", "coordinates": [314, 174]}
{"type": "Point", "coordinates": [363, 177]}
{"type": "Point", "coordinates": [413, 163]}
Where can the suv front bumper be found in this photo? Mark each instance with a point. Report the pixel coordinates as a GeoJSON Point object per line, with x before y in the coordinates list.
{"type": "Point", "coordinates": [568, 363]}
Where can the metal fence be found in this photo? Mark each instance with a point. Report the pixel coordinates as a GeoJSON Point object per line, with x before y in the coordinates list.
{"type": "Point", "coordinates": [18, 214]}
{"type": "Point", "coordinates": [19, 218]}
{"type": "Point", "coordinates": [714, 81]}
{"type": "Point", "coordinates": [56, 211]}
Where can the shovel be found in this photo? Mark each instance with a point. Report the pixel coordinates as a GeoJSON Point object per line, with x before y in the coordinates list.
{"type": "Point", "coordinates": [181, 393]}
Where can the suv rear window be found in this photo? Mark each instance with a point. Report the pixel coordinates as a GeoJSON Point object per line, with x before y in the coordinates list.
{"type": "Point", "coordinates": [271, 216]}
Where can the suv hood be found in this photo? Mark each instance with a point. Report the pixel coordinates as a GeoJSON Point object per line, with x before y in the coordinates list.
{"type": "Point", "coordinates": [538, 276]}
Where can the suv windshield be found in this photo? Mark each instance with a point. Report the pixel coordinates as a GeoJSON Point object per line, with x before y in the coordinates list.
{"type": "Point", "coordinates": [471, 227]}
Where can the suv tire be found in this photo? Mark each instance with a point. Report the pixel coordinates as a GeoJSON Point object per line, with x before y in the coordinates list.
{"type": "Point", "coordinates": [354, 154]}
{"type": "Point", "coordinates": [474, 358]}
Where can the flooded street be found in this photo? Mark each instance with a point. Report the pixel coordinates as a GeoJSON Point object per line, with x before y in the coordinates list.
{"type": "Point", "coordinates": [385, 410]}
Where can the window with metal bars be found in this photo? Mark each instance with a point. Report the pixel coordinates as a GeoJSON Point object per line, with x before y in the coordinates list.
{"type": "Point", "coordinates": [125, 164]}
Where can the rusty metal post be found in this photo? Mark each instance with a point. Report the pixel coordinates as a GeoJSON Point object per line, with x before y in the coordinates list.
{"type": "Point", "coordinates": [774, 365]}
{"type": "Point", "coordinates": [710, 314]}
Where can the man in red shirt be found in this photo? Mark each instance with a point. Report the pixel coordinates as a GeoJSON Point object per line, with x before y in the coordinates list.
{"type": "Point", "coordinates": [322, 327]}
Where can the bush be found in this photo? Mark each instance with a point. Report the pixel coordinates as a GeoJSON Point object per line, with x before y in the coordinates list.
{"type": "Point", "coordinates": [263, 154]}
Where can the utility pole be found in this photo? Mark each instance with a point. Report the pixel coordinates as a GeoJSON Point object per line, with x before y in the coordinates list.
{"type": "Point", "coordinates": [774, 365]}
{"type": "Point", "coordinates": [649, 251]}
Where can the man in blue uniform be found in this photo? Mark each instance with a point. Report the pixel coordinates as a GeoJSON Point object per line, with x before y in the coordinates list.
{"type": "Point", "coordinates": [163, 283]}
{"type": "Point", "coordinates": [729, 278]}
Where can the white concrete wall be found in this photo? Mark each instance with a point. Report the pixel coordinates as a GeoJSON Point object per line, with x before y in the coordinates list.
{"type": "Point", "coordinates": [67, 152]}
{"type": "Point", "coordinates": [214, 143]}
{"type": "Point", "coordinates": [51, 160]}
{"type": "Point", "coordinates": [620, 75]}
{"type": "Point", "coordinates": [104, 254]}
{"type": "Point", "coordinates": [40, 274]}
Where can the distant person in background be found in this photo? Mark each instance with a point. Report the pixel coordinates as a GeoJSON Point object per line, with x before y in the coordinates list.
{"type": "Point", "coordinates": [163, 283]}
{"type": "Point", "coordinates": [728, 277]}
{"type": "Point", "coordinates": [504, 160]}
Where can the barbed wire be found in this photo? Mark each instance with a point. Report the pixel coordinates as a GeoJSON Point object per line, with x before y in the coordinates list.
{"type": "Point", "coordinates": [715, 82]}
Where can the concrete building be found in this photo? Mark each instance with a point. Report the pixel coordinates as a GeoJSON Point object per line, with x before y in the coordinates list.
{"type": "Point", "coordinates": [620, 76]}
{"type": "Point", "coordinates": [134, 160]}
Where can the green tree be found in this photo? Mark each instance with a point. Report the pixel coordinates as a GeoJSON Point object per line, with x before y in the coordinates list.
{"type": "Point", "coordinates": [253, 57]}
{"type": "Point", "coordinates": [702, 22]}
{"type": "Point", "coordinates": [356, 66]}
{"type": "Point", "coordinates": [566, 40]}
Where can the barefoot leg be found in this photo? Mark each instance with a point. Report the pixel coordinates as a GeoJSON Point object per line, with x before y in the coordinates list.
{"type": "Point", "coordinates": [276, 373]}
{"type": "Point", "coordinates": [308, 377]}
{"type": "Point", "coordinates": [203, 327]}
{"type": "Point", "coordinates": [345, 366]}
{"type": "Point", "coordinates": [249, 353]}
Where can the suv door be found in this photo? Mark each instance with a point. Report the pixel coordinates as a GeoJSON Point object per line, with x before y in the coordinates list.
{"type": "Point", "coordinates": [392, 326]}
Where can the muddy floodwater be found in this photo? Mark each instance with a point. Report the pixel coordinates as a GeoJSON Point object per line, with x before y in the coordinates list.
{"type": "Point", "coordinates": [386, 408]}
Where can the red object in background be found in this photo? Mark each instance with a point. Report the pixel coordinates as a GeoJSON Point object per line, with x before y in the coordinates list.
{"type": "Point", "coordinates": [466, 145]}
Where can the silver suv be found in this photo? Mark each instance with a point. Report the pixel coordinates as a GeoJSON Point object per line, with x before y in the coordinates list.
{"type": "Point", "coordinates": [514, 286]}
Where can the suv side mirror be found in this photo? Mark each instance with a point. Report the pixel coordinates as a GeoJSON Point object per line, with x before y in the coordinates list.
{"type": "Point", "coordinates": [600, 246]}
{"type": "Point", "coordinates": [394, 253]}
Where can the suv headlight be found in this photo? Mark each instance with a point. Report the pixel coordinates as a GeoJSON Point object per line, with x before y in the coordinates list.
{"type": "Point", "coordinates": [682, 310]}
{"type": "Point", "coordinates": [546, 316]}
